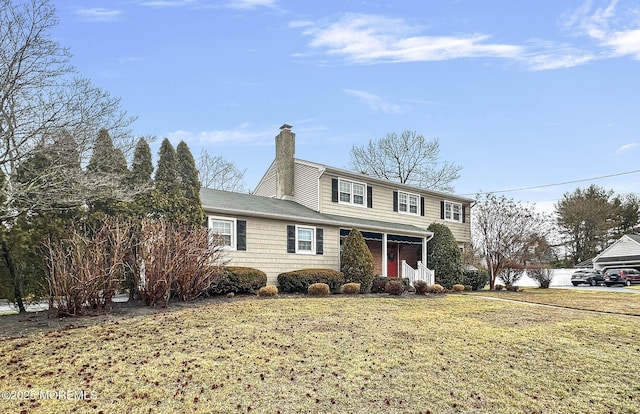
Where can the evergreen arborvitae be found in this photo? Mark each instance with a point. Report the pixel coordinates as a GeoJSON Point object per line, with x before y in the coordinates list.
{"type": "Point", "coordinates": [443, 256]}
{"type": "Point", "coordinates": [142, 165]}
{"type": "Point", "coordinates": [107, 171]}
{"type": "Point", "coordinates": [168, 200]}
{"type": "Point", "coordinates": [140, 181]}
{"type": "Point", "coordinates": [105, 157]}
{"type": "Point", "coordinates": [356, 261]}
{"type": "Point", "coordinates": [190, 184]}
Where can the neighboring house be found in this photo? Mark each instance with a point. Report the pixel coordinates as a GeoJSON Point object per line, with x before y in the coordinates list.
{"type": "Point", "coordinates": [300, 212]}
{"type": "Point", "coordinates": [625, 252]}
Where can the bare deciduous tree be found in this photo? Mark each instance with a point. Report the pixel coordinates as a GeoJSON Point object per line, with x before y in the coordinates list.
{"type": "Point", "coordinates": [220, 174]}
{"type": "Point", "coordinates": [407, 158]}
{"type": "Point", "coordinates": [506, 232]}
{"type": "Point", "coordinates": [42, 97]}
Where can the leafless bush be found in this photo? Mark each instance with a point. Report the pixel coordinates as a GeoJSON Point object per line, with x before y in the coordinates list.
{"type": "Point", "coordinates": [86, 269]}
{"type": "Point", "coordinates": [511, 273]}
{"type": "Point", "coordinates": [177, 258]}
{"type": "Point", "coordinates": [541, 274]}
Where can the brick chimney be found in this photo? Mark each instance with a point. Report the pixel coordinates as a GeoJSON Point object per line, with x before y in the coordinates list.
{"type": "Point", "coordinates": [285, 151]}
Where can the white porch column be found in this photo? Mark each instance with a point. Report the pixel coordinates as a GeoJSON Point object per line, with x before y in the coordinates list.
{"type": "Point", "coordinates": [424, 251]}
{"type": "Point", "coordinates": [384, 254]}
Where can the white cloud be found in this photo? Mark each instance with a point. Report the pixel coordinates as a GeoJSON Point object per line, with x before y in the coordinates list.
{"type": "Point", "coordinates": [626, 148]}
{"type": "Point", "coordinates": [625, 43]}
{"type": "Point", "coordinates": [242, 134]}
{"type": "Point", "coordinates": [362, 38]}
{"type": "Point", "coordinates": [250, 4]}
{"type": "Point", "coordinates": [617, 31]}
{"type": "Point", "coordinates": [374, 102]}
{"type": "Point", "coordinates": [97, 14]}
{"type": "Point", "coordinates": [168, 3]}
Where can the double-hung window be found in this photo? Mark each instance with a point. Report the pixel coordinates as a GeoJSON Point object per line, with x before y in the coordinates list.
{"type": "Point", "coordinates": [304, 240]}
{"type": "Point", "coordinates": [453, 211]}
{"type": "Point", "coordinates": [408, 203]}
{"type": "Point", "coordinates": [222, 231]}
{"type": "Point", "coordinates": [228, 232]}
{"type": "Point", "coordinates": [351, 192]}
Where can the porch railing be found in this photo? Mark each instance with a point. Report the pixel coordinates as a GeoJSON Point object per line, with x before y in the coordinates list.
{"type": "Point", "coordinates": [421, 273]}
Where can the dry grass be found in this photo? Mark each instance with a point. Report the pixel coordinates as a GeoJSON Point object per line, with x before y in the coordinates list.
{"type": "Point", "coordinates": [444, 354]}
{"type": "Point", "coordinates": [627, 303]}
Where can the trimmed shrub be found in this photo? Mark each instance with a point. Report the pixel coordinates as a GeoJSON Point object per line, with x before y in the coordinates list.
{"type": "Point", "coordinates": [421, 287]}
{"type": "Point", "coordinates": [238, 279]}
{"type": "Point", "coordinates": [394, 287]}
{"type": "Point", "coordinates": [498, 287]}
{"type": "Point", "coordinates": [468, 288]}
{"type": "Point", "coordinates": [380, 282]}
{"type": "Point", "coordinates": [298, 281]}
{"type": "Point", "coordinates": [268, 291]}
{"type": "Point", "coordinates": [435, 288]}
{"type": "Point", "coordinates": [444, 255]}
{"type": "Point", "coordinates": [513, 288]}
{"type": "Point", "coordinates": [478, 279]}
{"type": "Point", "coordinates": [350, 288]}
{"type": "Point", "coordinates": [318, 289]}
{"type": "Point", "coordinates": [458, 288]}
{"type": "Point", "coordinates": [356, 261]}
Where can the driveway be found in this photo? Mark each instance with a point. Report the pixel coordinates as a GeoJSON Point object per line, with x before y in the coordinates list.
{"type": "Point", "coordinates": [616, 288]}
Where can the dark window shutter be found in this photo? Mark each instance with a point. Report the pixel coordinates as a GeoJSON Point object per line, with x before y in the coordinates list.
{"type": "Point", "coordinates": [319, 240]}
{"type": "Point", "coordinates": [395, 201]}
{"type": "Point", "coordinates": [369, 196]}
{"type": "Point", "coordinates": [442, 210]}
{"type": "Point", "coordinates": [241, 235]}
{"type": "Point", "coordinates": [291, 239]}
{"type": "Point", "coordinates": [334, 190]}
{"type": "Point", "coordinates": [464, 213]}
{"type": "Point", "coordinates": [422, 206]}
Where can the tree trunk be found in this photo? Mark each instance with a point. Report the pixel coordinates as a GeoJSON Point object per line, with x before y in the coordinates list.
{"type": "Point", "coordinates": [17, 291]}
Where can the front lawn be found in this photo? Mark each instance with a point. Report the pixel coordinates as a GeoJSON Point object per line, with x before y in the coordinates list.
{"type": "Point", "coordinates": [622, 302]}
{"type": "Point", "coordinates": [445, 354]}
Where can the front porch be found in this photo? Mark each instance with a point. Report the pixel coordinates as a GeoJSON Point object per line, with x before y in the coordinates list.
{"type": "Point", "coordinates": [396, 255]}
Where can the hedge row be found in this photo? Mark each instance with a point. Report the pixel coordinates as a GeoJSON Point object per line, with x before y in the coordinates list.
{"type": "Point", "coordinates": [238, 279]}
{"type": "Point", "coordinates": [299, 281]}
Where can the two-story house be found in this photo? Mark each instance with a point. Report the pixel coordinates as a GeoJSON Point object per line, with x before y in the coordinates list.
{"type": "Point", "coordinates": [300, 212]}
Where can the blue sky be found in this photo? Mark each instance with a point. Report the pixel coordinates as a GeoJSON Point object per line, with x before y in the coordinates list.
{"type": "Point", "coordinates": [520, 94]}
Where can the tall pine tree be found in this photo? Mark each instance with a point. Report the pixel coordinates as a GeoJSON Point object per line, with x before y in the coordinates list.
{"type": "Point", "coordinates": [190, 184]}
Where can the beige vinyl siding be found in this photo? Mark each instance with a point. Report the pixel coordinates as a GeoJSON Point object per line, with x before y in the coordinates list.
{"type": "Point", "coordinates": [382, 209]}
{"type": "Point", "coordinates": [267, 186]}
{"type": "Point", "coordinates": [267, 249]}
{"type": "Point", "coordinates": [305, 185]}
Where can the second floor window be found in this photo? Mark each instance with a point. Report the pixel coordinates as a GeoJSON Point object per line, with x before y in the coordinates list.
{"type": "Point", "coordinates": [352, 192]}
{"type": "Point", "coordinates": [452, 211]}
{"type": "Point", "coordinates": [408, 203]}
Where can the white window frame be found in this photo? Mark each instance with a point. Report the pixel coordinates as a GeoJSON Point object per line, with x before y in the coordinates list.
{"type": "Point", "coordinates": [352, 192]}
{"type": "Point", "coordinates": [313, 240]}
{"type": "Point", "coordinates": [409, 197]}
{"type": "Point", "coordinates": [450, 213]}
{"type": "Point", "coordinates": [233, 234]}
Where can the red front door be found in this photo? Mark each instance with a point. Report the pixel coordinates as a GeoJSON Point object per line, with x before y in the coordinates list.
{"type": "Point", "coordinates": [392, 260]}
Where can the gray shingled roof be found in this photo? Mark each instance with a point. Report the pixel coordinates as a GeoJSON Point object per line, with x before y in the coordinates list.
{"type": "Point", "coordinates": [227, 202]}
